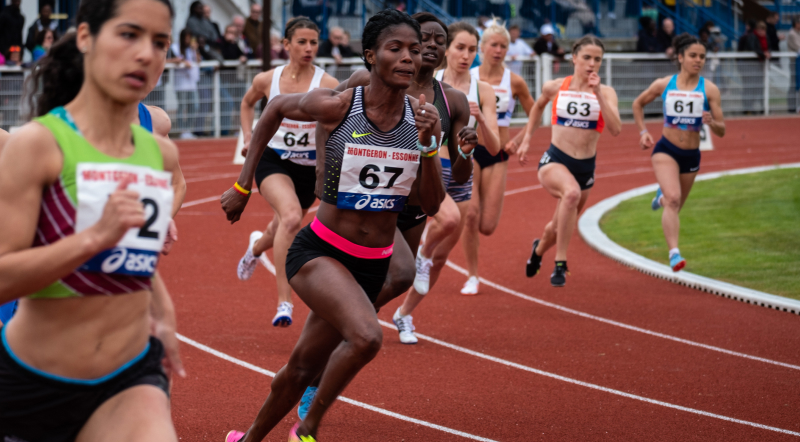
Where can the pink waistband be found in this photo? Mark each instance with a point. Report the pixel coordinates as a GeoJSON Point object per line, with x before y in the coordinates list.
{"type": "Point", "coordinates": [332, 238]}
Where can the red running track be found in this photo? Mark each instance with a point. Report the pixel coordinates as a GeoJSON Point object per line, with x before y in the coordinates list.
{"type": "Point", "coordinates": [557, 375]}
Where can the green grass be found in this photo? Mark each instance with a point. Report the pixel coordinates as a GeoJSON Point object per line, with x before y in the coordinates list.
{"type": "Point", "coordinates": [741, 229]}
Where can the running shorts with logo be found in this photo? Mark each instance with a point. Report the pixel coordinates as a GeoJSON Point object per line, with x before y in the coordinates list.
{"type": "Point", "coordinates": [688, 159]}
{"type": "Point", "coordinates": [582, 170]}
{"type": "Point", "coordinates": [485, 159]}
{"type": "Point", "coordinates": [505, 102]}
{"type": "Point", "coordinates": [41, 407]}
{"type": "Point", "coordinates": [304, 178]}
{"type": "Point", "coordinates": [410, 217]}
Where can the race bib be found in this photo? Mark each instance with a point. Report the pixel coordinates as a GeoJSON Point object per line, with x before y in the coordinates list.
{"type": "Point", "coordinates": [577, 109]}
{"type": "Point", "coordinates": [295, 141]}
{"type": "Point", "coordinates": [376, 179]}
{"type": "Point", "coordinates": [502, 97]}
{"type": "Point", "coordinates": [138, 252]}
{"type": "Point", "coordinates": [684, 108]}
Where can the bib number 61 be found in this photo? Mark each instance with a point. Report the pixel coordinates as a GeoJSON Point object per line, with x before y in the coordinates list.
{"type": "Point", "coordinates": [370, 180]}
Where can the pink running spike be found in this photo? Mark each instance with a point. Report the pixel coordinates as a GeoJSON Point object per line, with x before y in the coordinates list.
{"type": "Point", "coordinates": [234, 436]}
{"type": "Point", "coordinates": [293, 433]}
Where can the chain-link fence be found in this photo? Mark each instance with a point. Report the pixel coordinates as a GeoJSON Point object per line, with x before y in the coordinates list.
{"type": "Point", "coordinates": [211, 107]}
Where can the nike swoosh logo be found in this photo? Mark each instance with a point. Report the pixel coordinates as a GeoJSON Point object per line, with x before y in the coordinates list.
{"type": "Point", "coordinates": [421, 216]}
{"type": "Point", "coordinates": [356, 135]}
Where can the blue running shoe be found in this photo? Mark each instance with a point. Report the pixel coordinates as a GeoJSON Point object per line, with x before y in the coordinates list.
{"type": "Point", "coordinates": [305, 402]}
{"type": "Point", "coordinates": [677, 262]}
{"type": "Point", "coordinates": [656, 203]}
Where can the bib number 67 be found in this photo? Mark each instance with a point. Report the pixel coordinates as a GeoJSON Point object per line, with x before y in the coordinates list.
{"type": "Point", "coordinates": [370, 180]}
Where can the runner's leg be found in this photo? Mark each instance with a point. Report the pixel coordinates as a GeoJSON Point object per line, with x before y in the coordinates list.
{"type": "Point", "coordinates": [557, 180]}
{"type": "Point", "coordinates": [139, 413]}
{"type": "Point", "coordinates": [668, 176]}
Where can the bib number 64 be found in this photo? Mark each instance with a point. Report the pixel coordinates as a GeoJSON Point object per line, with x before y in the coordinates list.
{"type": "Point", "coordinates": [370, 180]}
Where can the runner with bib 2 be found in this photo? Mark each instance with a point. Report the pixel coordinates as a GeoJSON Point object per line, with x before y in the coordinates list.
{"type": "Point", "coordinates": [582, 109]}
{"type": "Point", "coordinates": [86, 199]}
{"type": "Point", "coordinates": [689, 102]}
{"type": "Point", "coordinates": [285, 175]}
{"type": "Point", "coordinates": [378, 141]}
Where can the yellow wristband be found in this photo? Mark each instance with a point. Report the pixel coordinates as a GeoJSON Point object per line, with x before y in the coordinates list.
{"type": "Point", "coordinates": [240, 189]}
{"type": "Point", "coordinates": [429, 154]}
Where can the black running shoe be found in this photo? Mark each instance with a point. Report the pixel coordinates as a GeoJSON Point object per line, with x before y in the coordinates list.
{"type": "Point", "coordinates": [559, 276]}
{"type": "Point", "coordinates": [535, 262]}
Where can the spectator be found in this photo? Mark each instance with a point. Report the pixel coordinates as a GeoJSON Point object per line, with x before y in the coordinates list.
{"type": "Point", "coordinates": [186, 79]}
{"type": "Point", "coordinates": [278, 52]}
{"type": "Point", "coordinates": [43, 22]}
{"type": "Point", "coordinates": [517, 48]}
{"type": "Point", "coordinates": [230, 51]}
{"type": "Point", "coordinates": [793, 43]}
{"type": "Point", "coordinates": [547, 43]}
{"type": "Point", "coordinates": [230, 48]}
{"type": "Point", "coordinates": [207, 17]}
{"type": "Point", "coordinates": [200, 27]}
{"type": "Point", "coordinates": [705, 37]}
{"type": "Point", "coordinates": [755, 40]}
{"type": "Point", "coordinates": [648, 40]}
{"type": "Point", "coordinates": [14, 56]}
{"type": "Point", "coordinates": [253, 29]}
{"type": "Point", "coordinates": [773, 39]}
{"type": "Point", "coordinates": [334, 46]}
{"type": "Point", "coordinates": [12, 23]}
{"type": "Point", "coordinates": [238, 22]}
{"type": "Point", "coordinates": [44, 40]}
{"type": "Point", "coordinates": [666, 34]}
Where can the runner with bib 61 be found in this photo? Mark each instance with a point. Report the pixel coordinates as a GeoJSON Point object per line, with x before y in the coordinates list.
{"type": "Point", "coordinates": [379, 141]}
{"type": "Point", "coordinates": [582, 108]}
{"type": "Point", "coordinates": [690, 101]}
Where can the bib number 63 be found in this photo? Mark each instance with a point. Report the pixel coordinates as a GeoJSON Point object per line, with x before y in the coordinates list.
{"type": "Point", "coordinates": [370, 180]}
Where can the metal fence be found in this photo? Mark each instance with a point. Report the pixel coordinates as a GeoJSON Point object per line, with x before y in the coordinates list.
{"type": "Point", "coordinates": [212, 107]}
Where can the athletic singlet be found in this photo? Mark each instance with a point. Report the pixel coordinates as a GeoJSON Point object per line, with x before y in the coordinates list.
{"type": "Point", "coordinates": [577, 109]}
{"type": "Point", "coordinates": [295, 140]}
{"type": "Point", "coordinates": [472, 96]}
{"type": "Point", "coordinates": [443, 107]}
{"type": "Point", "coordinates": [503, 97]}
{"type": "Point", "coordinates": [684, 109]}
{"type": "Point", "coordinates": [145, 119]}
{"type": "Point", "coordinates": [76, 201]}
{"type": "Point", "coordinates": [366, 169]}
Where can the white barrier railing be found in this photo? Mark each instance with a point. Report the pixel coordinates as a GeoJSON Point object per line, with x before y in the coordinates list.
{"type": "Point", "coordinates": [212, 106]}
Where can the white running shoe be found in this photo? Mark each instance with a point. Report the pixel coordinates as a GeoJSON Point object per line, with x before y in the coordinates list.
{"type": "Point", "coordinates": [422, 279]}
{"type": "Point", "coordinates": [247, 265]}
{"type": "Point", "coordinates": [405, 327]}
{"type": "Point", "coordinates": [471, 286]}
{"type": "Point", "coordinates": [284, 316]}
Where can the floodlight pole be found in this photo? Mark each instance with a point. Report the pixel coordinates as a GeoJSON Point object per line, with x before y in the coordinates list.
{"type": "Point", "coordinates": [266, 29]}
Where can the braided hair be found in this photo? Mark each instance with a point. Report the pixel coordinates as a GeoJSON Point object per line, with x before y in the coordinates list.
{"type": "Point", "coordinates": [379, 24]}
{"type": "Point", "coordinates": [682, 42]}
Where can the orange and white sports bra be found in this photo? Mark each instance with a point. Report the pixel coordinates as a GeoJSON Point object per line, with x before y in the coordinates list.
{"type": "Point", "coordinates": [577, 109]}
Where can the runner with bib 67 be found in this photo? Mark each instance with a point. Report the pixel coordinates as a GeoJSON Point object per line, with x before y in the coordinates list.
{"type": "Point", "coordinates": [690, 101]}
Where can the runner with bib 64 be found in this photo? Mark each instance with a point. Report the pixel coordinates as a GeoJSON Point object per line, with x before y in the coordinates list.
{"type": "Point", "coordinates": [379, 141]}
{"type": "Point", "coordinates": [690, 101]}
{"type": "Point", "coordinates": [582, 108]}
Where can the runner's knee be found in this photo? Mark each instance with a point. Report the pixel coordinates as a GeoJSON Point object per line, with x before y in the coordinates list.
{"type": "Point", "coordinates": [672, 200]}
{"type": "Point", "coordinates": [292, 221]}
{"type": "Point", "coordinates": [367, 341]}
{"type": "Point", "coordinates": [572, 197]}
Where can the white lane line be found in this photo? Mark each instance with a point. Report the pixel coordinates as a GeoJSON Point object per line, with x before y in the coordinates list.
{"type": "Point", "coordinates": [268, 264]}
{"type": "Point", "coordinates": [382, 411]}
{"type": "Point", "coordinates": [200, 201]}
{"type": "Point", "coordinates": [217, 176]}
{"type": "Point", "coordinates": [592, 386]}
{"type": "Point", "coordinates": [463, 271]}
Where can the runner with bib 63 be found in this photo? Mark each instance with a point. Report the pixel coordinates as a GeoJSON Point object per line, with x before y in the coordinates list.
{"type": "Point", "coordinates": [582, 108]}
{"type": "Point", "coordinates": [379, 141]}
{"type": "Point", "coordinates": [285, 174]}
{"type": "Point", "coordinates": [690, 101]}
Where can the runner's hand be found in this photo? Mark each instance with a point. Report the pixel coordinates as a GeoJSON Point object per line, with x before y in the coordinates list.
{"type": "Point", "coordinates": [522, 152]}
{"type": "Point", "coordinates": [646, 141]}
{"type": "Point", "coordinates": [122, 211]}
{"type": "Point", "coordinates": [164, 330]}
{"type": "Point", "coordinates": [467, 139]}
{"type": "Point", "coordinates": [172, 237]}
{"type": "Point", "coordinates": [707, 117]}
{"type": "Point", "coordinates": [233, 203]}
{"type": "Point", "coordinates": [594, 83]}
{"type": "Point", "coordinates": [425, 118]}
{"type": "Point", "coordinates": [475, 111]}
{"type": "Point", "coordinates": [511, 147]}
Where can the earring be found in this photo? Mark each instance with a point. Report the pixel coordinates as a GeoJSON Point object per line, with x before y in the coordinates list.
{"type": "Point", "coordinates": [83, 50]}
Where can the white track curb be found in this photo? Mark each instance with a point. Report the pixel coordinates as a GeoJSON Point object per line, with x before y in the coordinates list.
{"type": "Point", "coordinates": [589, 227]}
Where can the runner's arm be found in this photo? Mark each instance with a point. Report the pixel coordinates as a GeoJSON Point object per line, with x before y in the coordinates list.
{"type": "Point", "coordinates": [549, 91]}
{"type": "Point", "coordinates": [431, 188]}
{"type": "Point", "coordinates": [646, 97]}
{"type": "Point", "coordinates": [610, 110]}
{"type": "Point", "coordinates": [487, 123]}
{"type": "Point", "coordinates": [714, 119]}
{"type": "Point", "coordinates": [461, 167]}
{"type": "Point", "coordinates": [357, 78]}
{"type": "Point", "coordinates": [519, 89]}
{"type": "Point", "coordinates": [258, 90]}
{"type": "Point", "coordinates": [164, 326]}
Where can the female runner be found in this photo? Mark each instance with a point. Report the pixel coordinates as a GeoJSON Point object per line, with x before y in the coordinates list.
{"type": "Point", "coordinates": [582, 108]}
{"type": "Point", "coordinates": [462, 46]}
{"type": "Point", "coordinates": [380, 141]}
{"type": "Point", "coordinates": [687, 98]}
{"type": "Point", "coordinates": [86, 197]}
{"type": "Point", "coordinates": [6, 310]}
{"type": "Point", "coordinates": [484, 212]}
{"type": "Point", "coordinates": [285, 175]}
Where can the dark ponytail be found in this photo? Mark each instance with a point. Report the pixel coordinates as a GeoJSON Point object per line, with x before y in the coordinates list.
{"type": "Point", "coordinates": [58, 76]}
{"type": "Point", "coordinates": [682, 42]}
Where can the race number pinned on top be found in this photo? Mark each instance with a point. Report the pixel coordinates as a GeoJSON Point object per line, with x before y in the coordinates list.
{"type": "Point", "coordinates": [577, 109]}
{"type": "Point", "coordinates": [502, 98]}
{"type": "Point", "coordinates": [684, 108]}
{"type": "Point", "coordinates": [376, 178]}
{"type": "Point", "coordinates": [138, 251]}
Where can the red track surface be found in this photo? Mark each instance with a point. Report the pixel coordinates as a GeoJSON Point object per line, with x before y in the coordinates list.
{"type": "Point", "coordinates": [453, 389]}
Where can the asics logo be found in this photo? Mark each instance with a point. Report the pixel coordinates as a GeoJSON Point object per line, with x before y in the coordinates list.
{"type": "Point", "coordinates": [363, 202]}
{"type": "Point", "coordinates": [114, 261]}
{"type": "Point", "coordinates": [358, 135]}
{"type": "Point", "coordinates": [286, 155]}
{"type": "Point", "coordinates": [682, 120]}
{"type": "Point", "coordinates": [576, 123]}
